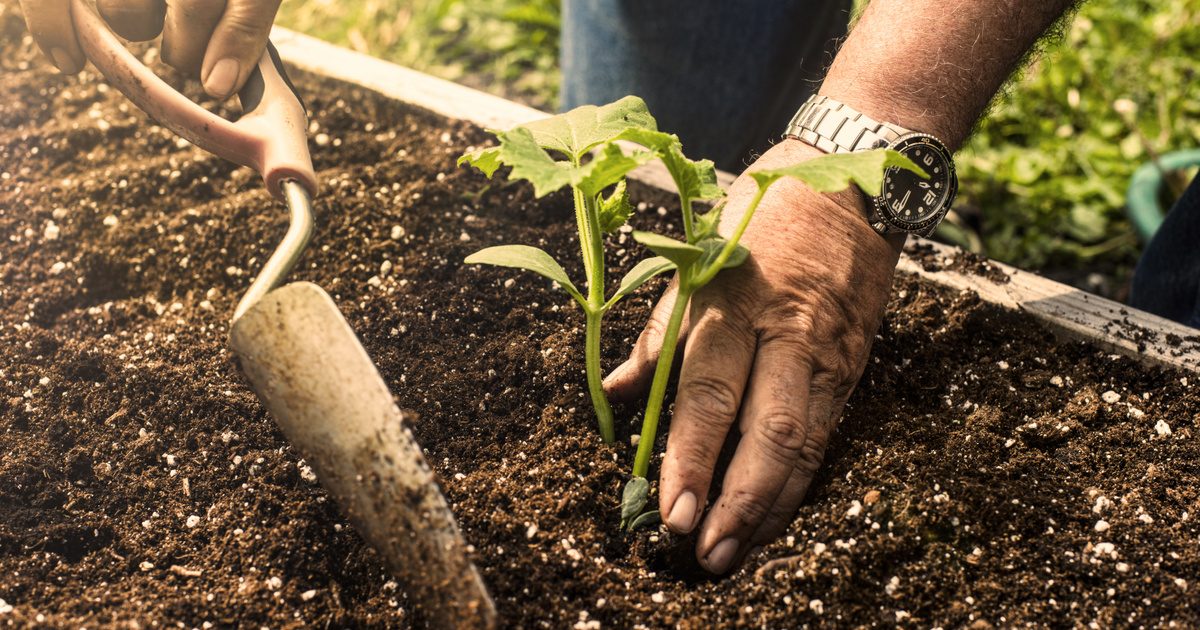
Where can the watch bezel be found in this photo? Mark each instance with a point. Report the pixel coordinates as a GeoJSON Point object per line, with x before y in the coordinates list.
{"type": "Point", "coordinates": [884, 212]}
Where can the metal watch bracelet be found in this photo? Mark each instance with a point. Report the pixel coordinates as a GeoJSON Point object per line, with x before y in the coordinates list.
{"type": "Point", "coordinates": [833, 127]}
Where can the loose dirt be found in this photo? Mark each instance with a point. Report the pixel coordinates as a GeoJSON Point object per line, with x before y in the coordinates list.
{"type": "Point", "coordinates": [985, 474]}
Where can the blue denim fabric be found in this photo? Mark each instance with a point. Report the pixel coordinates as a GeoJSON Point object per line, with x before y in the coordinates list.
{"type": "Point", "coordinates": [725, 75]}
{"type": "Point", "coordinates": [1167, 280]}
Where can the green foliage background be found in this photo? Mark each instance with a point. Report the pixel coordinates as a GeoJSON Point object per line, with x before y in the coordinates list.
{"type": "Point", "coordinates": [1042, 181]}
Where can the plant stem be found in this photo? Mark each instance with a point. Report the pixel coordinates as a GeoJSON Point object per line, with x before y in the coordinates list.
{"type": "Point", "coordinates": [706, 275]}
{"type": "Point", "coordinates": [604, 414]}
{"type": "Point", "coordinates": [585, 242]}
{"type": "Point", "coordinates": [685, 203]}
{"type": "Point", "coordinates": [662, 373]}
{"type": "Point", "coordinates": [592, 243]}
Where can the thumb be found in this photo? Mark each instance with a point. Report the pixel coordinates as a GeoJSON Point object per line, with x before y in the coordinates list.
{"type": "Point", "coordinates": [632, 378]}
{"type": "Point", "coordinates": [236, 45]}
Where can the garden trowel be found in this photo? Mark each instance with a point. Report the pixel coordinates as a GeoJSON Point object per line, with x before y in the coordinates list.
{"type": "Point", "coordinates": [302, 358]}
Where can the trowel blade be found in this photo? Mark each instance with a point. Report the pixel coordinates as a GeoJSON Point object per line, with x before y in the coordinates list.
{"type": "Point", "coordinates": [327, 396]}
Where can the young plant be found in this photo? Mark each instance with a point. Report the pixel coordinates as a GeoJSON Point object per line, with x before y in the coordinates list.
{"type": "Point", "coordinates": [586, 141]}
{"type": "Point", "coordinates": [577, 149]}
{"type": "Point", "coordinates": [703, 254]}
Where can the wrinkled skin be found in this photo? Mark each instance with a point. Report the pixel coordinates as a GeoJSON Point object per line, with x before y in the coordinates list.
{"type": "Point", "coordinates": [773, 350]}
{"type": "Point", "coordinates": [219, 41]}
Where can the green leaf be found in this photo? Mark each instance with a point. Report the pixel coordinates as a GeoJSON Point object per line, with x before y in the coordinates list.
{"type": "Point", "coordinates": [695, 179]}
{"type": "Point", "coordinates": [486, 160]}
{"type": "Point", "coordinates": [678, 252]}
{"type": "Point", "coordinates": [712, 249]}
{"type": "Point", "coordinates": [640, 274]}
{"type": "Point", "coordinates": [707, 223]}
{"type": "Point", "coordinates": [608, 168]}
{"type": "Point", "coordinates": [615, 210]}
{"type": "Point", "coordinates": [634, 499]}
{"type": "Point", "coordinates": [836, 171]}
{"type": "Point", "coordinates": [580, 130]}
{"type": "Point", "coordinates": [527, 258]}
{"type": "Point", "coordinates": [646, 519]}
{"type": "Point", "coordinates": [528, 161]}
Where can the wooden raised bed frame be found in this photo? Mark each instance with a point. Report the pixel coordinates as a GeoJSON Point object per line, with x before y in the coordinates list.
{"type": "Point", "coordinates": [1070, 311]}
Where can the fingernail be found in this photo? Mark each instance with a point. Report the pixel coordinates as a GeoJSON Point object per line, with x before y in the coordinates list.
{"type": "Point", "coordinates": [62, 60]}
{"type": "Point", "coordinates": [221, 78]}
{"type": "Point", "coordinates": [682, 518]}
{"type": "Point", "coordinates": [721, 556]}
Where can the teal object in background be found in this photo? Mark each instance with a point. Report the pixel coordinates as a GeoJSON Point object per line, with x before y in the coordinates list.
{"type": "Point", "coordinates": [1142, 196]}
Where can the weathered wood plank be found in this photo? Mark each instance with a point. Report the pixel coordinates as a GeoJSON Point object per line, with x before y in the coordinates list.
{"type": "Point", "coordinates": [417, 88]}
{"type": "Point", "coordinates": [1074, 312]}
{"type": "Point", "coordinates": [1066, 309]}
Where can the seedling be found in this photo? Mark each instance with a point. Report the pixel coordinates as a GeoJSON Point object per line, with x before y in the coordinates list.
{"type": "Point", "coordinates": [587, 141]}
{"type": "Point", "coordinates": [589, 161]}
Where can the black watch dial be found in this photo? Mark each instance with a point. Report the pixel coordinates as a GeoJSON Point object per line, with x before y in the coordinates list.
{"type": "Point", "coordinates": [910, 202]}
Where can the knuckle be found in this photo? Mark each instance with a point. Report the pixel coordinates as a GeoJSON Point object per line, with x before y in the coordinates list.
{"type": "Point", "coordinates": [244, 24]}
{"type": "Point", "coordinates": [747, 507]}
{"type": "Point", "coordinates": [782, 434]}
{"type": "Point", "coordinates": [654, 330]}
{"type": "Point", "coordinates": [711, 400]}
{"type": "Point", "coordinates": [811, 455]}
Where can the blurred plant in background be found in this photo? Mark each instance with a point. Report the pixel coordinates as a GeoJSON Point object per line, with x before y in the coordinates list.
{"type": "Point", "coordinates": [1044, 177]}
{"type": "Point", "coordinates": [1042, 181]}
{"type": "Point", "coordinates": [508, 47]}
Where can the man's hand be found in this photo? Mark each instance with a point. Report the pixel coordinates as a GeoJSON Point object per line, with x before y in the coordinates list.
{"type": "Point", "coordinates": [219, 41]}
{"type": "Point", "coordinates": [774, 347]}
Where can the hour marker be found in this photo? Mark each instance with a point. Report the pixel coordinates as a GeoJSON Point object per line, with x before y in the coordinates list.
{"type": "Point", "coordinates": [937, 170]}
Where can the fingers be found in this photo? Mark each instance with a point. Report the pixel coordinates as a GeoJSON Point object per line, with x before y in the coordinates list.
{"type": "Point", "coordinates": [775, 435]}
{"type": "Point", "coordinates": [237, 44]}
{"type": "Point", "coordinates": [135, 20]}
{"type": "Point", "coordinates": [188, 26]}
{"type": "Point", "coordinates": [50, 24]}
{"type": "Point", "coordinates": [632, 378]}
{"type": "Point", "coordinates": [716, 364]}
{"type": "Point", "coordinates": [822, 404]}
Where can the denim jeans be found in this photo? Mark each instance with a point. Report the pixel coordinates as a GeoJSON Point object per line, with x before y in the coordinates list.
{"type": "Point", "coordinates": [1167, 280]}
{"type": "Point", "coordinates": [724, 75]}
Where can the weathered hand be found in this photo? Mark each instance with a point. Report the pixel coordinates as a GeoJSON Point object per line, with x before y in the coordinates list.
{"type": "Point", "coordinates": [776, 345]}
{"type": "Point", "coordinates": [218, 40]}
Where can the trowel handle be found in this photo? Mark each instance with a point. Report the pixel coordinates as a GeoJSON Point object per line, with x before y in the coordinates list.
{"type": "Point", "coordinates": [270, 137]}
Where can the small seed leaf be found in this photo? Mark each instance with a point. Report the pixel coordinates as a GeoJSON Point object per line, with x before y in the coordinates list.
{"type": "Point", "coordinates": [712, 249]}
{"type": "Point", "coordinates": [836, 171]}
{"type": "Point", "coordinates": [640, 274]}
{"type": "Point", "coordinates": [527, 258]}
{"type": "Point", "coordinates": [678, 252]}
{"type": "Point", "coordinates": [580, 130]}
{"type": "Point", "coordinates": [646, 519]}
{"type": "Point", "coordinates": [634, 498]}
{"type": "Point", "coordinates": [615, 210]}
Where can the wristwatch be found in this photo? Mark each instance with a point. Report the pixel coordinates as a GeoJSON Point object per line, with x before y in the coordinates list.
{"type": "Point", "coordinates": [908, 203]}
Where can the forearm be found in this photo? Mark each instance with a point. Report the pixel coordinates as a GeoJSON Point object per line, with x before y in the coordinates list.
{"type": "Point", "coordinates": [933, 65]}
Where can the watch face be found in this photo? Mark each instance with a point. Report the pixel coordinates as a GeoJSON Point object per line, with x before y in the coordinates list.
{"type": "Point", "coordinates": [913, 203]}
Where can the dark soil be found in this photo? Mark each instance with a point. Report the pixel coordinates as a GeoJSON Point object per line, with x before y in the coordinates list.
{"type": "Point", "coordinates": [142, 484]}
